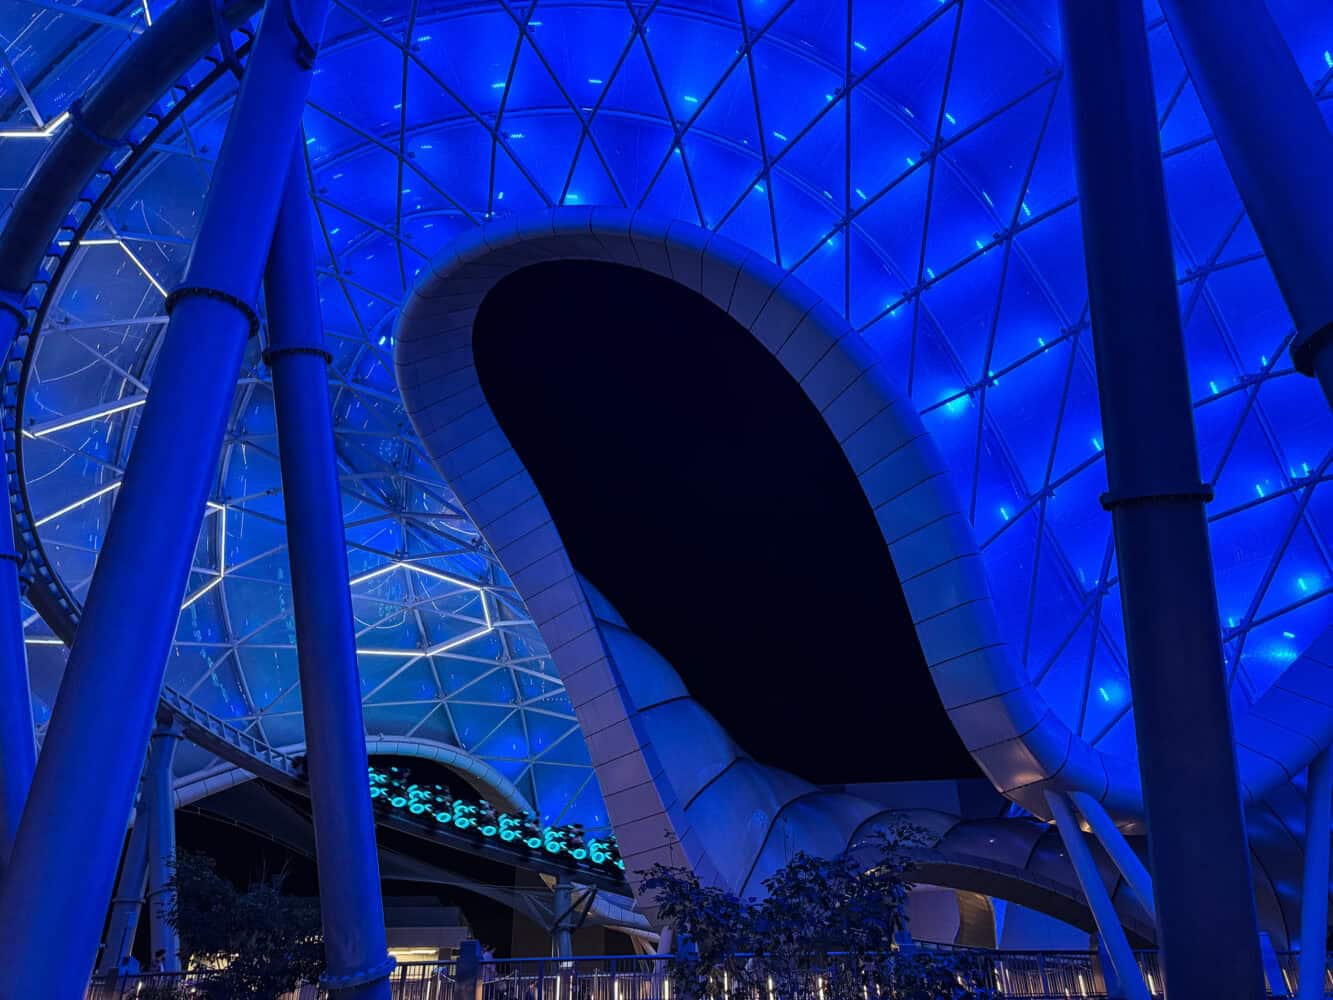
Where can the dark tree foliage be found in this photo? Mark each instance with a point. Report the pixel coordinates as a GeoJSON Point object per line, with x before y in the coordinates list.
{"type": "Point", "coordinates": [264, 941]}
{"type": "Point", "coordinates": [827, 929]}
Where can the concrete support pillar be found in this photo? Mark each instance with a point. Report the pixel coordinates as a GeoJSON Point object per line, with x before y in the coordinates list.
{"type": "Point", "coordinates": [159, 808]}
{"type": "Point", "coordinates": [54, 898]}
{"type": "Point", "coordinates": [128, 900]}
{"type": "Point", "coordinates": [18, 749]}
{"type": "Point", "coordinates": [1128, 979]}
{"type": "Point", "coordinates": [1117, 847]}
{"type": "Point", "coordinates": [562, 929]}
{"type": "Point", "coordinates": [1198, 852]}
{"type": "Point", "coordinates": [1279, 150]}
{"type": "Point", "coordinates": [1314, 881]}
{"type": "Point", "coordinates": [350, 899]}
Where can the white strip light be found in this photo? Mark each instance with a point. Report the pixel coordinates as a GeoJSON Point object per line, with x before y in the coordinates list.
{"type": "Point", "coordinates": [112, 241]}
{"type": "Point", "coordinates": [79, 503]}
{"type": "Point", "coordinates": [446, 645]}
{"type": "Point", "coordinates": [415, 568]}
{"type": "Point", "coordinates": [222, 555]}
{"type": "Point", "coordinates": [45, 132]}
{"type": "Point", "coordinates": [129, 404]}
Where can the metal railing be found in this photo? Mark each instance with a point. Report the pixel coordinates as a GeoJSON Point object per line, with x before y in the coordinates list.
{"type": "Point", "coordinates": [1011, 975]}
{"type": "Point", "coordinates": [591, 977]}
{"type": "Point", "coordinates": [409, 981]}
{"type": "Point", "coordinates": [214, 729]}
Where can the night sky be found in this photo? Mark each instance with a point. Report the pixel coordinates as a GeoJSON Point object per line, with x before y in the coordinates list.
{"type": "Point", "coordinates": [696, 486]}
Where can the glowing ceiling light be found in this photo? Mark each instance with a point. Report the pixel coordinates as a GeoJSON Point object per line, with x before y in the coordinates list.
{"type": "Point", "coordinates": [92, 415]}
{"type": "Point", "coordinates": [45, 132]}
{"type": "Point", "coordinates": [201, 592]}
{"type": "Point", "coordinates": [112, 241]}
{"type": "Point", "coordinates": [221, 511]}
{"type": "Point", "coordinates": [415, 568]}
{"type": "Point", "coordinates": [78, 503]}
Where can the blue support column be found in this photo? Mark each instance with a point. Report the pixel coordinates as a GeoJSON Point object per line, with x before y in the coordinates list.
{"type": "Point", "coordinates": [159, 806]}
{"type": "Point", "coordinates": [1117, 847]}
{"type": "Point", "coordinates": [1198, 852]}
{"type": "Point", "coordinates": [1279, 151]}
{"type": "Point", "coordinates": [349, 884]}
{"type": "Point", "coordinates": [18, 749]}
{"type": "Point", "coordinates": [1314, 881]}
{"type": "Point", "coordinates": [1111, 935]}
{"type": "Point", "coordinates": [129, 898]}
{"type": "Point", "coordinates": [54, 898]}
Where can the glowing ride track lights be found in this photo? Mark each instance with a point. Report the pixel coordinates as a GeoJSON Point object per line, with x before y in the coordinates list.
{"type": "Point", "coordinates": [394, 789]}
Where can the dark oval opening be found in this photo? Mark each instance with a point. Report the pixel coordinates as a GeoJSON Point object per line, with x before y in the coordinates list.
{"type": "Point", "coordinates": [699, 489]}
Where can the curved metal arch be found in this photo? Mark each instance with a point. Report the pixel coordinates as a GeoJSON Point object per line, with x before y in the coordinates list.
{"type": "Point", "coordinates": [1003, 720]}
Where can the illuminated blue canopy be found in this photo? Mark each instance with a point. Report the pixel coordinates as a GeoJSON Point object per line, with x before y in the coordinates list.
{"type": "Point", "coordinates": [910, 161]}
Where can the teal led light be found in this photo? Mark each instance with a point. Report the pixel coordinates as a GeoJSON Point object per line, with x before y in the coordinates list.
{"type": "Point", "coordinates": [393, 787]}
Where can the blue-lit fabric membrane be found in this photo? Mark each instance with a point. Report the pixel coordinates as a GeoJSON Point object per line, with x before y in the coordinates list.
{"type": "Point", "coordinates": [910, 161]}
